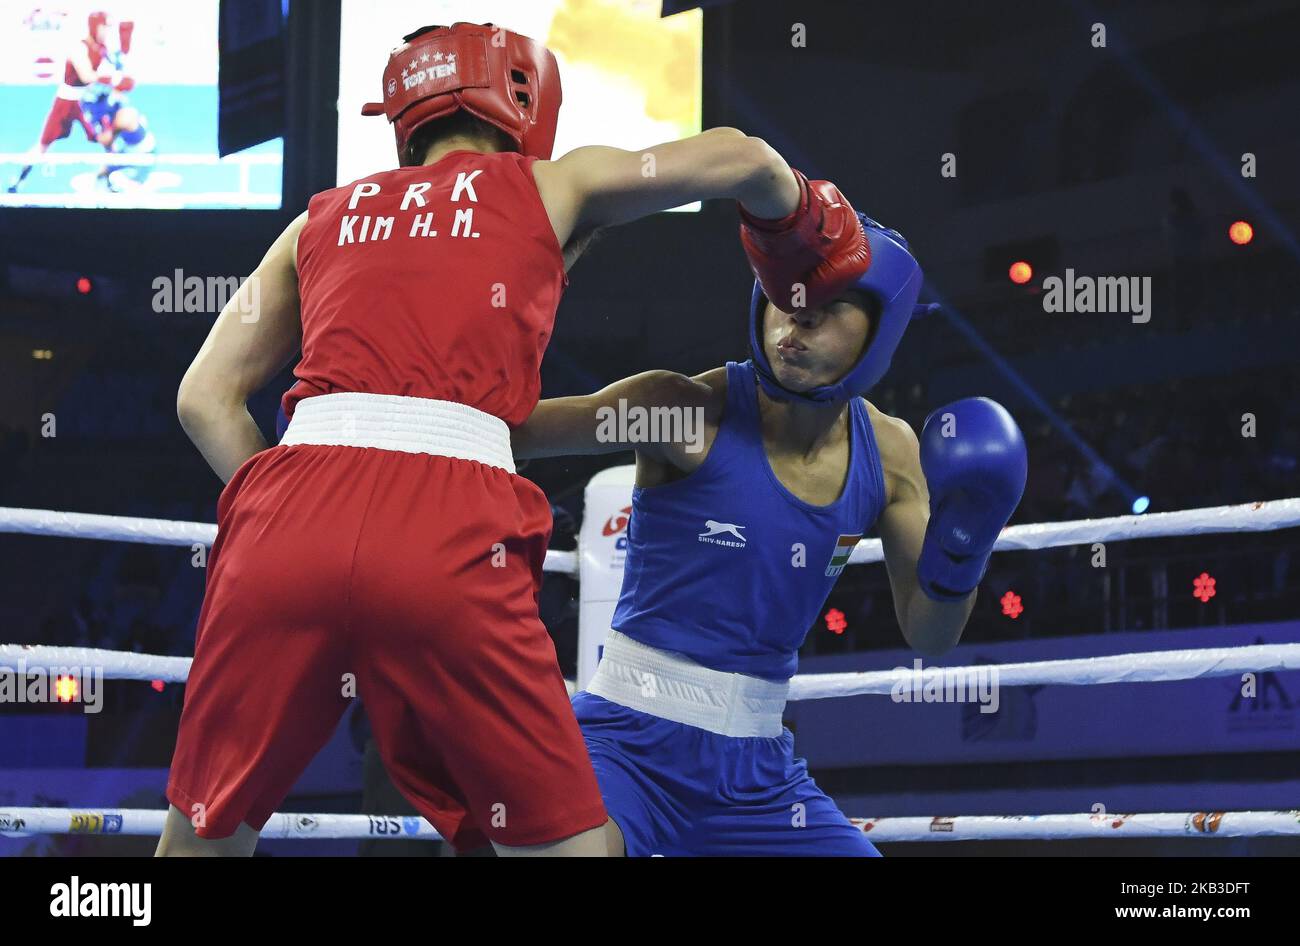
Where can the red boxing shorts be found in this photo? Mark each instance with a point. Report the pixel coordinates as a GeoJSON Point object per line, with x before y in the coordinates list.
{"type": "Point", "coordinates": [58, 123]}
{"type": "Point", "coordinates": [404, 578]}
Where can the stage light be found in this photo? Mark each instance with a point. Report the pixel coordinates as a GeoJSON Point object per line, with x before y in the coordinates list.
{"type": "Point", "coordinates": [1203, 587]}
{"type": "Point", "coordinates": [835, 621]}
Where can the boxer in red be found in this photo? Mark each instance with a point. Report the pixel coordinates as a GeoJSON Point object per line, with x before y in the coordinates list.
{"type": "Point", "coordinates": [88, 69]}
{"type": "Point", "coordinates": [385, 547]}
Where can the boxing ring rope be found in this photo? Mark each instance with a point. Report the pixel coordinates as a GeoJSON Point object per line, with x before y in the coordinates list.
{"type": "Point", "coordinates": [1160, 666]}
{"type": "Point", "coordinates": [81, 525]}
{"type": "Point", "coordinates": [1265, 516]}
{"type": "Point", "coordinates": [141, 822]}
{"type": "Point", "coordinates": [1157, 666]}
{"type": "Point", "coordinates": [1243, 517]}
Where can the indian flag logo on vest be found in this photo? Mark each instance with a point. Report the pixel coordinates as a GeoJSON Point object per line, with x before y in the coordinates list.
{"type": "Point", "coordinates": [844, 546]}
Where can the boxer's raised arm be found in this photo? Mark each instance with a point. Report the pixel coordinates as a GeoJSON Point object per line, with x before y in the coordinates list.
{"type": "Point", "coordinates": [254, 337]}
{"type": "Point", "coordinates": [598, 186]}
{"type": "Point", "coordinates": [928, 626]}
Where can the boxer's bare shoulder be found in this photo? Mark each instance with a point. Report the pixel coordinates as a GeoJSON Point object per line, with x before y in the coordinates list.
{"type": "Point", "coordinates": [899, 449]}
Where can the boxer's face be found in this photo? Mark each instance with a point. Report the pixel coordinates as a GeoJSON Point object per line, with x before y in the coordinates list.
{"type": "Point", "coordinates": [815, 347]}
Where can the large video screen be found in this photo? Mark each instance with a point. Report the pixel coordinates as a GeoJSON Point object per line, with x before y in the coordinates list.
{"type": "Point", "coordinates": [630, 78]}
{"type": "Point", "coordinates": [114, 104]}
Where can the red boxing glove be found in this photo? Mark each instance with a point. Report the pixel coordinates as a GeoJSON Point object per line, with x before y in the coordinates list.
{"type": "Point", "coordinates": [820, 247]}
{"type": "Point", "coordinates": [124, 31]}
{"type": "Point", "coordinates": [124, 84]}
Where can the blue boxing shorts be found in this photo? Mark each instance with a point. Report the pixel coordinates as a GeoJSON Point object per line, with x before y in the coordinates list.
{"type": "Point", "coordinates": [679, 790]}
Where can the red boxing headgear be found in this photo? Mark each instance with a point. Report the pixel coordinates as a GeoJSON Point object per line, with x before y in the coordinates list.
{"type": "Point", "coordinates": [94, 21]}
{"type": "Point", "coordinates": [505, 79]}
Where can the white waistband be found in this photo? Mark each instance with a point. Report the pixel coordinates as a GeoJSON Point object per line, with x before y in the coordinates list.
{"type": "Point", "coordinates": [404, 424]}
{"type": "Point", "coordinates": [670, 686]}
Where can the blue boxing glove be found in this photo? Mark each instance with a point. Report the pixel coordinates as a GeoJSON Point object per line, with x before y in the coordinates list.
{"type": "Point", "coordinates": [974, 460]}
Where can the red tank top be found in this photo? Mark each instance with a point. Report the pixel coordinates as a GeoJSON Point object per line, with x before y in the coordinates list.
{"type": "Point", "coordinates": [97, 53]}
{"type": "Point", "coordinates": [437, 282]}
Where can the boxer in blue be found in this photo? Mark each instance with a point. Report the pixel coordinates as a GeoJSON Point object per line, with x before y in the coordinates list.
{"type": "Point", "coordinates": [736, 539]}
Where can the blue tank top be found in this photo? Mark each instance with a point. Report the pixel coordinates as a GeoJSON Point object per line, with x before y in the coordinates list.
{"type": "Point", "coordinates": [726, 565]}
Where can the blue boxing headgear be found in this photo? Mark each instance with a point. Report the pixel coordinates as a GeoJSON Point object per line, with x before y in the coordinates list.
{"type": "Point", "coordinates": [894, 279]}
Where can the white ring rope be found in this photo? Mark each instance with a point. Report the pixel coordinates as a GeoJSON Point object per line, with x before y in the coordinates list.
{"type": "Point", "coordinates": [81, 525]}
{"type": "Point", "coordinates": [1190, 824]}
{"type": "Point", "coordinates": [1158, 666]}
{"type": "Point", "coordinates": [140, 822]}
{"type": "Point", "coordinates": [1244, 517]}
{"type": "Point", "coordinates": [146, 822]}
{"type": "Point", "coordinates": [1149, 667]}
{"type": "Point", "coordinates": [89, 661]}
